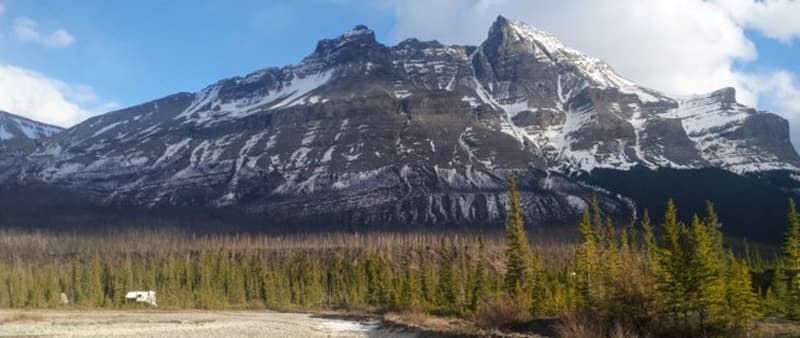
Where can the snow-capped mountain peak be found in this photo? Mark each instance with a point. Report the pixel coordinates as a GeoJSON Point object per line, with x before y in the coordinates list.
{"type": "Point", "coordinates": [417, 133]}
{"type": "Point", "coordinates": [548, 49]}
{"type": "Point", "coordinates": [18, 127]}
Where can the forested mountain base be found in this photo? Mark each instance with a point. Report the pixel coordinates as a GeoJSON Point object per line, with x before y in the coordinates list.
{"type": "Point", "coordinates": [635, 280]}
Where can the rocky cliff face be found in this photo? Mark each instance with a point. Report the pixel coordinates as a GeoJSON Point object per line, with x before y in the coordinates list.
{"type": "Point", "coordinates": [359, 133]}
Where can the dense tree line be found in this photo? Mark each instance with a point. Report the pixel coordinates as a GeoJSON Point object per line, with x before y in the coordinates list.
{"type": "Point", "coordinates": [669, 278]}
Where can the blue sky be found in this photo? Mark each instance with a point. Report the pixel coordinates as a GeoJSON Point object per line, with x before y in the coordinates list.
{"type": "Point", "coordinates": [131, 51]}
{"type": "Point", "coordinates": [772, 54]}
{"type": "Point", "coordinates": [63, 61]}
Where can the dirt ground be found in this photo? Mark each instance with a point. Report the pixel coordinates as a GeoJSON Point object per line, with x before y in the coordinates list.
{"type": "Point", "coordinates": [184, 324]}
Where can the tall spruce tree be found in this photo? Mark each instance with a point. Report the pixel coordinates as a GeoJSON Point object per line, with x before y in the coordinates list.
{"type": "Point", "coordinates": [587, 263]}
{"type": "Point", "coordinates": [648, 244]}
{"type": "Point", "coordinates": [598, 227]}
{"type": "Point", "coordinates": [776, 297]}
{"type": "Point", "coordinates": [611, 253]}
{"type": "Point", "coordinates": [480, 286]}
{"type": "Point", "coordinates": [791, 259]}
{"type": "Point", "coordinates": [537, 286]}
{"type": "Point", "coordinates": [714, 230]}
{"type": "Point", "coordinates": [446, 287]}
{"type": "Point", "coordinates": [518, 250]}
{"type": "Point", "coordinates": [671, 276]}
{"type": "Point", "coordinates": [791, 245]}
{"type": "Point", "coordinates": [426, 277]}
{"type": "Point", "coordinates": [706, 288]}
{"type": "Point", "coordinates": [742, 301]}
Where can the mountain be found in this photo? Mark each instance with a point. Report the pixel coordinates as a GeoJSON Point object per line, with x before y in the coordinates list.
{"type": "Point", "coordinates": [362, 135]}
{"type": "Point", "coordinates": [18, 127]}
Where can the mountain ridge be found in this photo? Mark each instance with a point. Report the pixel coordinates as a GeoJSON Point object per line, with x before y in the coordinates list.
{"type": "Point", "coordinates": [14, 126]}
{"type": "Point", "coordinates": [420, 133]}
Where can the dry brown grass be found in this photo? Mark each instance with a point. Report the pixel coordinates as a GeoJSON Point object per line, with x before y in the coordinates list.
{"type": "Point", "coordinates": [22, 317]}
{"type": "Point", "coordinates": [579, 324]}
{"type": "Point", "coordinates": [771, 327]}
{"type": "Point", "coordinates": [426, 322]}
{"type": "Point", "coordinates": [592, 324]}
{"type": "Point", "coordinates": [503, 311]}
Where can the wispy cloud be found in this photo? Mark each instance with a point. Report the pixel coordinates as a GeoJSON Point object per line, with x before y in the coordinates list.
{"type": "Point", "coordinates": [27, 30]}
{"type": "Point", "coordinates": [2, 8]}
{"type": "Point", "coordinates": [59, 38]}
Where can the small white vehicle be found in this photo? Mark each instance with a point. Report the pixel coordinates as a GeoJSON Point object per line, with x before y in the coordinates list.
{"type": "Point", "coordinates": [148, 297]}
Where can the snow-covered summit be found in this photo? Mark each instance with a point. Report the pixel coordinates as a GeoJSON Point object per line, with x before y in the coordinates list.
{"type": "Point", "coordinates": [548, 49]}
{"type": "Point", "coordinates": [18, 127]}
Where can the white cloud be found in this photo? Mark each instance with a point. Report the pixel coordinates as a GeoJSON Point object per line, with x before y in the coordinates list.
{"type": "Point", "coordinates": [33, 95]}
{"type": "Point", "coordinates": [777, 19]}
{"type": "Point", "coordinates": [27, 30]}
{"type": "Point", "coordinates": [59, 38]}
{"type": "Point", "coordinates": [2, 8]}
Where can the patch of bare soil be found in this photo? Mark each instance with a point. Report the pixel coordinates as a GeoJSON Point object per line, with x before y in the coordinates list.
{"type": "Point", "coordinates": [52, 323]}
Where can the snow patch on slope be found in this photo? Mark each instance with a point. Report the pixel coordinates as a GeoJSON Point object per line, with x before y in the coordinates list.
{"type": "Point", "coordinates": [210, 108]}
{"type": "Point", "coordinates": [706, 119]}
{"type": "Point", "coordinates": [12, 126]}
{"type": "Point", "coordinates": [550, 49]}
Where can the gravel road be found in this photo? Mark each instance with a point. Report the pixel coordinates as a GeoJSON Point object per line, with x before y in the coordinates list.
{"type": "Point", "coordinates": [184, 324]}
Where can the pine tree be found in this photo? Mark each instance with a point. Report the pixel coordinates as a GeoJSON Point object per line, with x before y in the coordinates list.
{"type": "Point", "coordinates": [35, 287]}
{"type": "Point", "coordinates": [464, 277]}
{"type": "Point", "coordinates": [742, 301]}
{"type": "Point", "coordinates": [705, 289]}
{"type": "Point", "coordinates": [446, 287]}
{"type": "Point", "coordinates": [74, 293]}
{"type": "Point", "coordinates": [777, 293]}
{"type": "Point", "coordinates": [426, 279]}
{"type": "Point", "coordinates": [537, 287]}
{"type": "Point", "coordinates": [124, 280]}
{"type": "Point", "coordinates": [670, 239]}
{"type": "Point", "coordinates": [311, 282]}
{"type": "Point", "coordinates": [235, 281]}
{"type": "Point", "coordinates": [791, 246]}
{"type": "Point", "coordinates": [648, 244]}
{"type": "Point", "coordinates": [92, 283]}
{"type": "Point", "coordinates": [206, 287]}
{"type": "Point", "coordinates": [253, 280]}
{"type": "Point", "coordinates": [624, 244]}
{"type": "Point", "coordinates": [480, 287]}
{"type": "Point", "coordinates": [410, 294]}
{"type": "Point", "coordinates": [670, 274]}
{"type": "Point", "coordinates": [53, 291]}
{"type": "Point", "coordinates": [597, 220]}
{"type": "Point", "coordinates": [611, 256]}
{"type": "Point", "coordinates": [714, 230]}
{"type": "Point", "coordinates": [791, 259]}
{"type": "Point", "coordinates": [518, 250]}
{"type": "Point", "coordinates": [586, 263]}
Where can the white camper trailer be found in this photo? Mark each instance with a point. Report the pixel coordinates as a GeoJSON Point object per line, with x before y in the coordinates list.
{"type": "Point", "coordinates": [148, 297]}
